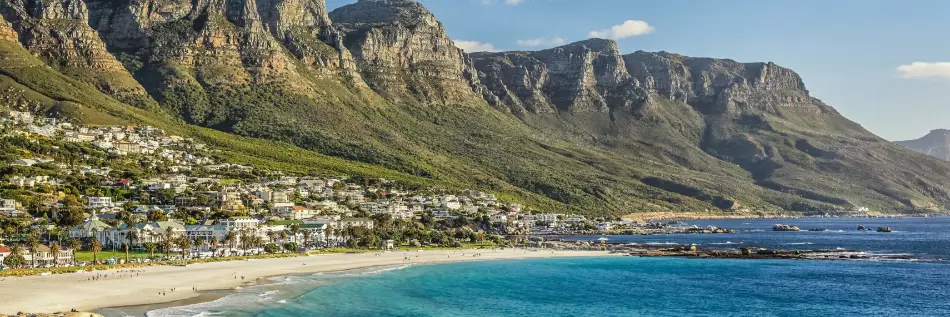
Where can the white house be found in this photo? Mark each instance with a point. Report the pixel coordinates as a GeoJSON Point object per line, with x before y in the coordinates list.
{"type": "Point", "coordinates": [500, 217]}
{"type": "Point", "coordinates": [355, 222]}
{"type": "Point", "coordinates": [98, 202]}
{"type": "Point", "coordinates": [44, 256]}
{"type": "Point", "coordinates": [296, 212]}
{"type": "Point", "coordinates": [7, 206]}
{"type": "Point", "coordinates": [240, 222]}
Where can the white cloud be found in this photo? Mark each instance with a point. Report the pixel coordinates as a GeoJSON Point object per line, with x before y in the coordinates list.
{"type": "Point", "coordinates": [924, 69]}
{"type": "Point", "coordinates": [543, 41]}
{"type": "Point", "coordinates": [474, 46]}
{"type": "Point", "coordinates": [627, 29]}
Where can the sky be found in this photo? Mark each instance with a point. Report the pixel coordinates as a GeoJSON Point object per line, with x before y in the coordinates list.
{"type": "Point", "coordinates": [882, 63]}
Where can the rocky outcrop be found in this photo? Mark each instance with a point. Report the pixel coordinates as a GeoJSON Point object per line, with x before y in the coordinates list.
{"type": "Point", "coordinates": [6, 31]}
{"type": "Point", "coordinates": [582, 77]}
{"type": "Point", "coordinates": [57, 31]}
{"type": "Point", "coordinates": [723, 86]}
{"type": "Point", "coordinates": [936, 144]}
{"type": "Point", "coordinates": [403, 53]}
{"type": "Point", "coordinates": [592, 76]}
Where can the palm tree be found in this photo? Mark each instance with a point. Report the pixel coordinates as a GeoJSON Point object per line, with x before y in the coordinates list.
{"type": "Point", "coordinates": [245, 241]}
{"type": "Point", "coordinates": [214, 246]}
{"type": "Point", "coordinates": [73, 245]}
{"type": "Point", "coordinates": [306, 239]}
{"type": "Point", "coordinates": [17, 250]}
{"type": "Point", "coordinates": [283, 236]}
{"type": "Point", "coordinates": [33, 242]}
{"type": "Point", "coordinates": [199, 242]}
{"type": "Point", "coordinates": [131, 235]}
{"type": "Point", "coordinates": [271, 235]}
{"type": "Point", "coordinates": [231, 239]}
{"type": "Point", "coordinates": [169, 241]}
{"type": "Point", "coordinates": [294, 229]}
{"type": "Point", "coordinates": [96, 247]}
{"type": "Point", "coordinates": [54, 249]}
{"type": "Point", "coordinates": [151, 248]}
{"type": "Point", "coordinates": [184, 244]}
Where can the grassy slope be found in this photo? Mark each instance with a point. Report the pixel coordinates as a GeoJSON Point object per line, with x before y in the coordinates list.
{"type": "Point", "coordinates": [51, 91]}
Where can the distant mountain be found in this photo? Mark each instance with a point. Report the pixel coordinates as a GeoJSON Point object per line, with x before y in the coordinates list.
{"type": "Point", "coordinates": [378, 86]}
{"type": "Point", "coordinates": [936, 144]}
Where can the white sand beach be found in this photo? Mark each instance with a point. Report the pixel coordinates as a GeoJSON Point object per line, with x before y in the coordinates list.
{"type": "Point", "coordinates": [63, 292]}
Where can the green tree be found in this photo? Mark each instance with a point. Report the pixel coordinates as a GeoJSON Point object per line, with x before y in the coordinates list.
{"type": "Point", "coordinates": [231, 239]}
{"type": "Point", "coordinates": [199, 242]}
{"type": "Point", "coordinates": [306, 239]}
{"type": "Point", "coordinates": [73, 245]}
{"type": "Point", "coordinates": [54, 250]}
{"type": "Point", "coordinates": [214, 246]}
{"type": "Point", "coordinates": [73, 212]}
{"type": "Point", "coordinates": [151, 247]}
{"type": "Point", "coordinates": [168, 241]}
{"type": "Point", "coordinates": [95, 247]}
{"type": "Point", "coordinates": [131, 233]}
{"type": "Point", "coordinates": [185, 245]}
{"type": "Point", "coordinates": [33, 242]}
{"type": "Point", "coordinates": [291, 247]}
{"type": "Point", "coordinates": [157, 215]}
{"type": "Point", "coordinates": [15, 259]}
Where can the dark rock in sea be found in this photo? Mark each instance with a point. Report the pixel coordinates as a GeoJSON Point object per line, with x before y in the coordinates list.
{"type": "Point", "coordinates": [781, 227]}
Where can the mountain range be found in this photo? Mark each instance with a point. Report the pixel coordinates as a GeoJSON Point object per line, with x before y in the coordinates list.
{"type": "Point", "coordinates": [377, 88]}
{"type": "Point", "coordinates": [936, 144]}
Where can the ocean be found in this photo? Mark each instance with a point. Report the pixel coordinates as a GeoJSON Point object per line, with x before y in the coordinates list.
{"type": "Point", "coordinates": [632, 286]}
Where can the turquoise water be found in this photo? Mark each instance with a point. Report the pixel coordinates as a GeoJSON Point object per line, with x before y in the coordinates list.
{"type": "Point", "coordinates": [631, 286]}
{"type": "Point", "coordinates": [617, 286]}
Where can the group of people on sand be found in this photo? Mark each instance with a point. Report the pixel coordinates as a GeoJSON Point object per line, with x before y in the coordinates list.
{"type": "Point", "coordinates": [163, 293]}
{"type": "Point", "coordinates": [117, 275]}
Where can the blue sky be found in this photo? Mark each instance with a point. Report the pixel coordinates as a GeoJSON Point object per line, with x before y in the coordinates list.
{"type": "Point", "coordinates": [850, 53]}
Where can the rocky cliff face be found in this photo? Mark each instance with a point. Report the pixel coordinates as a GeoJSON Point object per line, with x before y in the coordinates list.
{"type": "Point", "coordinates": [220, 42]}
{"type": "Point", "coordinates": [402, 52]}
{"type": "Point", "coordinates": [722, 85]}
{"type": "Point", "coordinates": [582, 77]}
{"type": "Point", "coordinates": [6, 31]}
{"type": "Point", "coordinates": [592, 76]}
{"type": "Point", "coordinates": [58, 32]}
{"type": "Point", "coordinates": [936, 144]}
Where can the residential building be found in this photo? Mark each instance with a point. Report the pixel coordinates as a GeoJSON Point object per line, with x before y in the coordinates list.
{"type": "Point", "coordinates": [98, 202]}
{"type": "Point", "coordinates": [296, 212]}
{"type": "Point", "coordinates": [44, 256]}
{"type": "Point", "coordinates": [240, 222]}
{"type": "Point", "coordinates": [356, 222]}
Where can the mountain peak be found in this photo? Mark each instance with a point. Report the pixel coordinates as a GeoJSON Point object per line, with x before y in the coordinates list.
{"type": "Point", "coordinates": [936, 144]}
{"type": "Point", "coordinates": [382, 11]}
{"type": "Point", "coordinates": [594, 43]}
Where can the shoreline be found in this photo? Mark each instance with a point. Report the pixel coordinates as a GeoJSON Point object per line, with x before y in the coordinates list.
{"type": "Point", "coordinates": [212, 295]}
{"type": "Point", "coordinates": [64, 292]}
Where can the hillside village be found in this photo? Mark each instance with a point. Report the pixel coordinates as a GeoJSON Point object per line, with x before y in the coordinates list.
{"type": "Point", "coordinates": [74, 186]}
